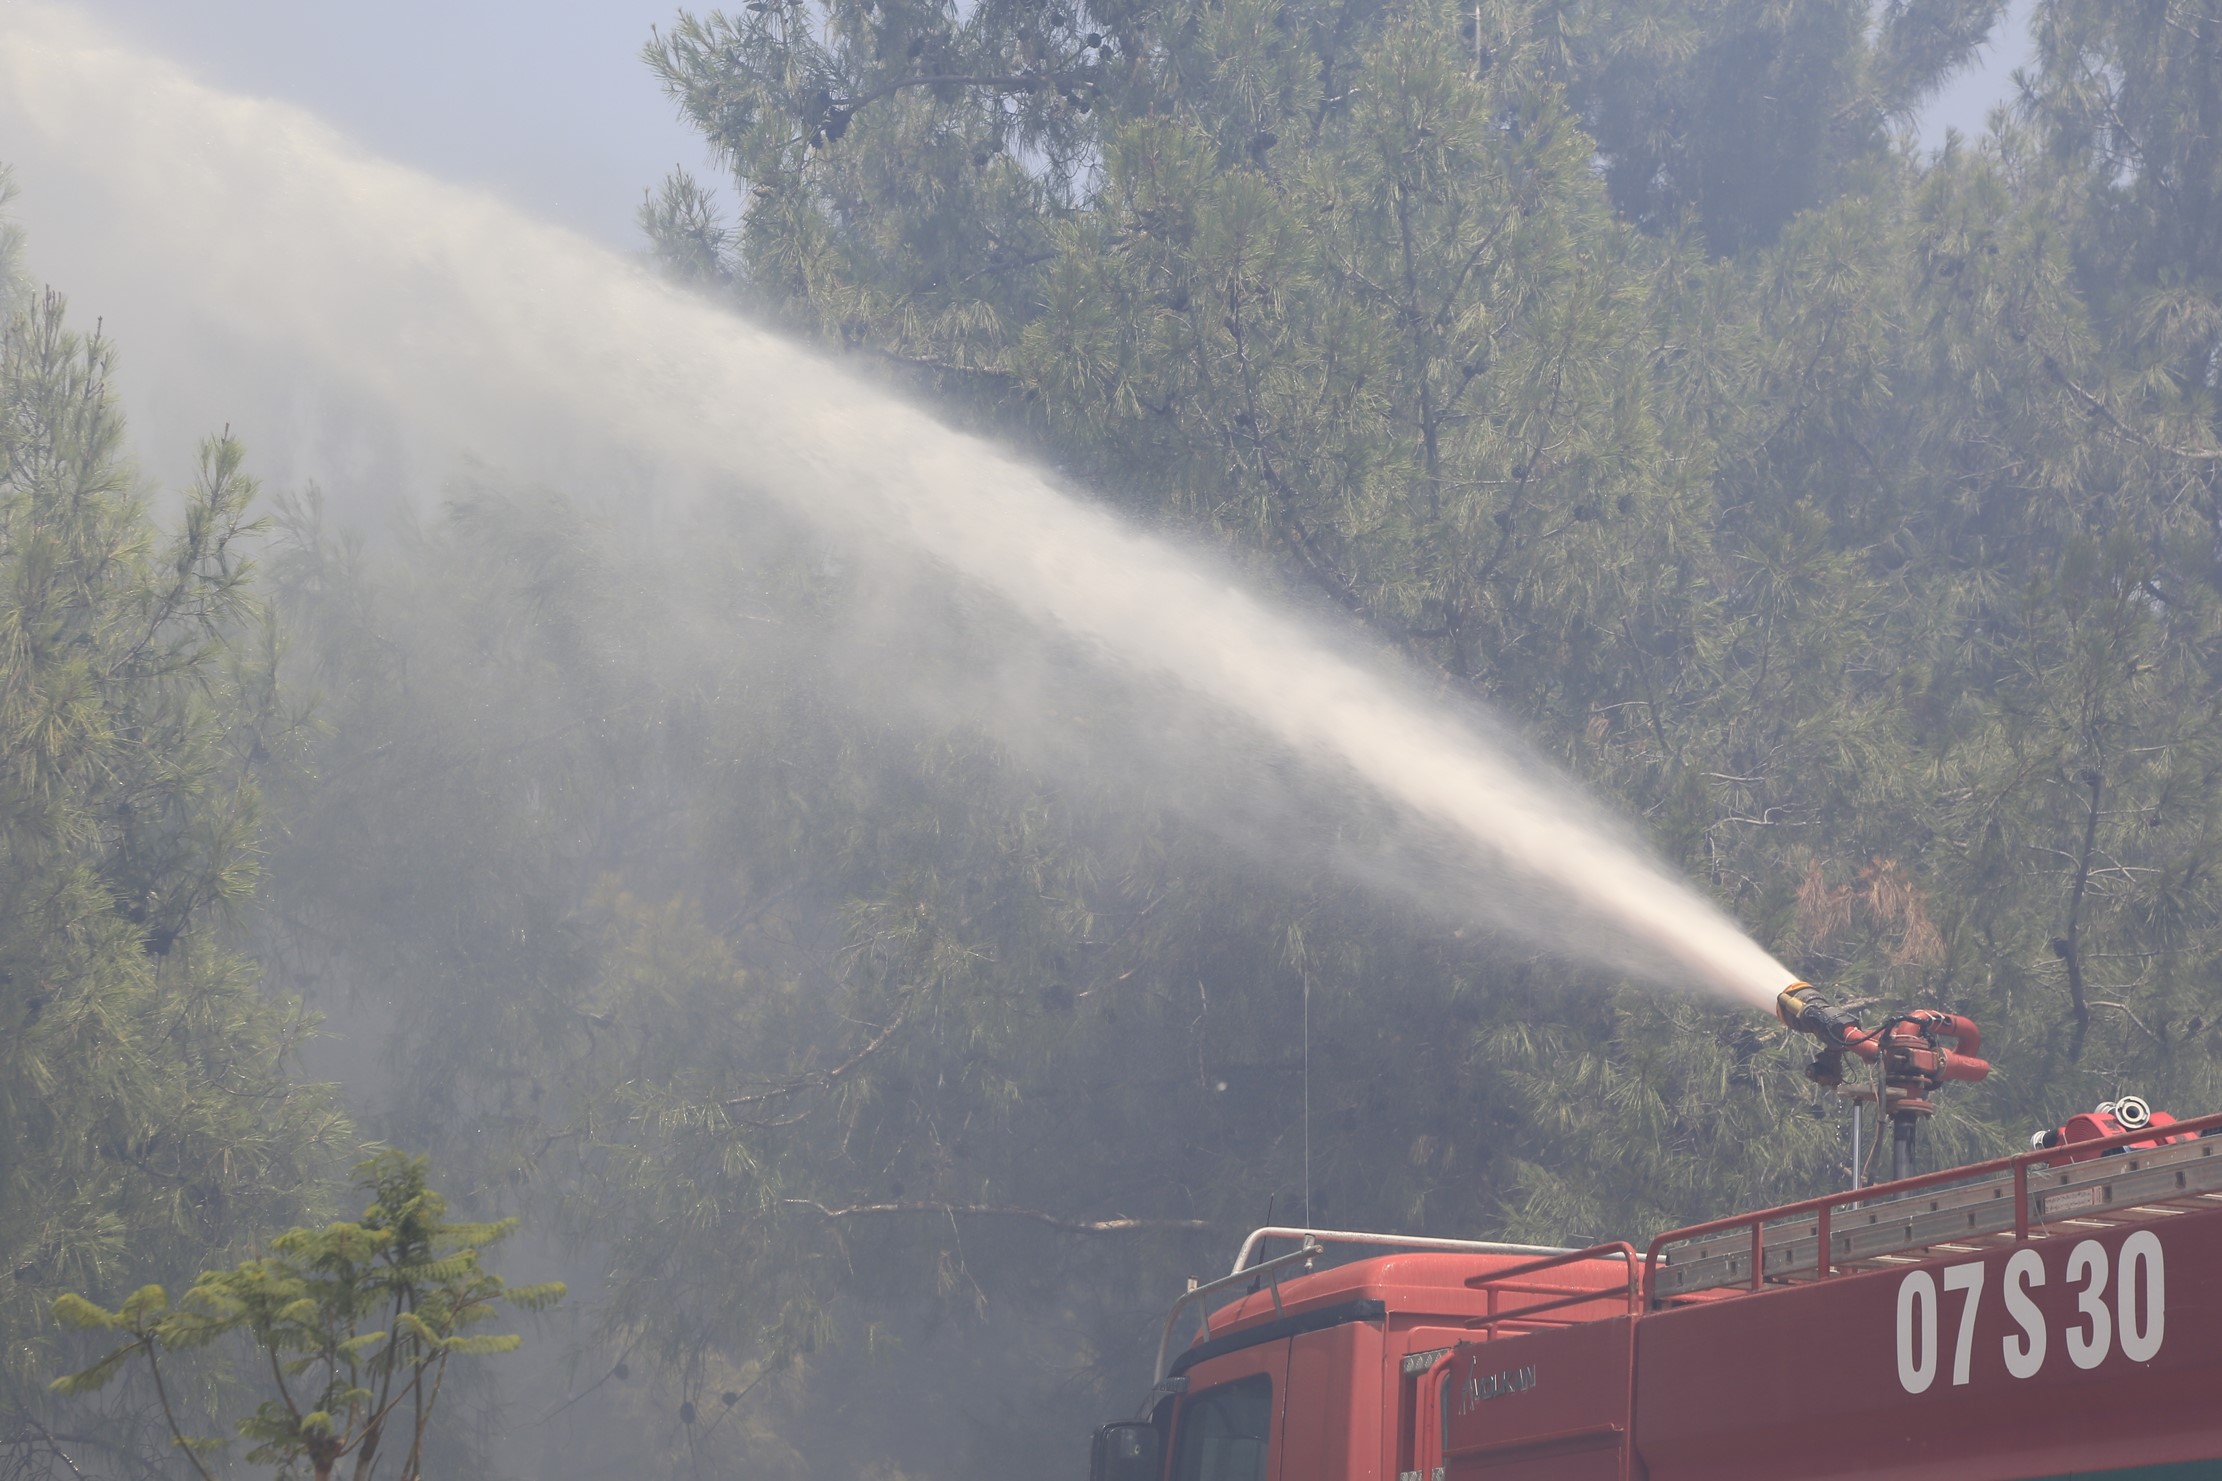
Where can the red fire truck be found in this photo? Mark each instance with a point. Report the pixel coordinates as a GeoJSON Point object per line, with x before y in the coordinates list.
{"type": "Point", "coordinates": [2048, 1315]}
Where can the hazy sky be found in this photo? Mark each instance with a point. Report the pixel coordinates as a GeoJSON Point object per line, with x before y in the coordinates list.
{"type": "Point", "coordinates": [547, 99]}
{"type": "Point", "coordinates": [1967, 100]}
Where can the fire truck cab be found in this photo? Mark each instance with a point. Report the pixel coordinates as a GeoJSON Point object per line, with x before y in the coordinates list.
{"type": "Point", "coordinates": [2052, 1315]}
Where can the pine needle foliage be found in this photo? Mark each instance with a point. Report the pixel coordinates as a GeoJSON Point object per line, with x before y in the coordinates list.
{"type": "Point", "coordinates": [149, 1108]}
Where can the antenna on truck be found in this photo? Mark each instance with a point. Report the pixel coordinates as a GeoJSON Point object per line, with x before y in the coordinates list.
{"type": "Point", "coordinates": [1307, 1099]}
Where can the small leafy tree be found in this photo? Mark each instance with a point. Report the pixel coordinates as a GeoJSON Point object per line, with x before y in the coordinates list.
{"type": "Point", "coordinates": [356, 1323]}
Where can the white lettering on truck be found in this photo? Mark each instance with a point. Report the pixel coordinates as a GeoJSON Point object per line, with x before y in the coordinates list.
{"type": "Point", "coordinates": [2135, 1323]}
{"type": "Point", "coordinates": [2025, 1350]}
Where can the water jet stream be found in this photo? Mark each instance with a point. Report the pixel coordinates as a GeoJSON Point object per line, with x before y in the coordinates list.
{"type": "Point", "coordinates": [463, 314]}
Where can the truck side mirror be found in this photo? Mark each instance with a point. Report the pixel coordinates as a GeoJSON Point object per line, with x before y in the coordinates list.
{"type": "Point", "coordinates": [1127, 1451]}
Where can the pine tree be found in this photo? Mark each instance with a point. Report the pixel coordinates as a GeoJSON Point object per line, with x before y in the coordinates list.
{"type": "Point", "coordinates": [148, 1110]}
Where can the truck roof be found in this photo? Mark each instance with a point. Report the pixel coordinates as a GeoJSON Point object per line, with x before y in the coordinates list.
{"type": "Point", "coordinates": [1479, 1294]}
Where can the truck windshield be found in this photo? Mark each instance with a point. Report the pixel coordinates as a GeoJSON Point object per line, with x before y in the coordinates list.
{"type": "Point", "coordinates": [1223, 1432]}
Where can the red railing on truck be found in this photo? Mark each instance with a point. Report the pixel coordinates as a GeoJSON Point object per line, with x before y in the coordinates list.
{"type": "Point", "coordinates": [1520, 1281]}
{"type": "Point", "coordinates": [1980, 1205]}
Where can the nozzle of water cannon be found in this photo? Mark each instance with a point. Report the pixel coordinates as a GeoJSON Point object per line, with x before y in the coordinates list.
{"type": "Point", "coordinates": [1801, 1007]}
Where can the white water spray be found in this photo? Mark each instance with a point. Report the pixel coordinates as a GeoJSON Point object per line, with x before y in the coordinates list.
{"type": "Point", "coordinates": [470, 318]}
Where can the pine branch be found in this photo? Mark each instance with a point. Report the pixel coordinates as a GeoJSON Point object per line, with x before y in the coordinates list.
{"type": "Point", "coordinates": [824, 1079]}
{"type": "Point", "coordinates": [169, 1414]}
{"type": "Point", "coordinates": [2098, 407]}
{"type": "Point", "coordinates": [2067, 948]}
{"type": "Point", "coordinates": [1025, 82]}
{"type": "Point", "coordinates": [927, 362]}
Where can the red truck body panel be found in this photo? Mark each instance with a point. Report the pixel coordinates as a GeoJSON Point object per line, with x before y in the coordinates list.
{"type": "Point", "coordinates": [1820, 1380]}
{"type": "Point", "coordinates": [1513, 1419]}
{"type": "Point", "coordinates": [2073, 1327]}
